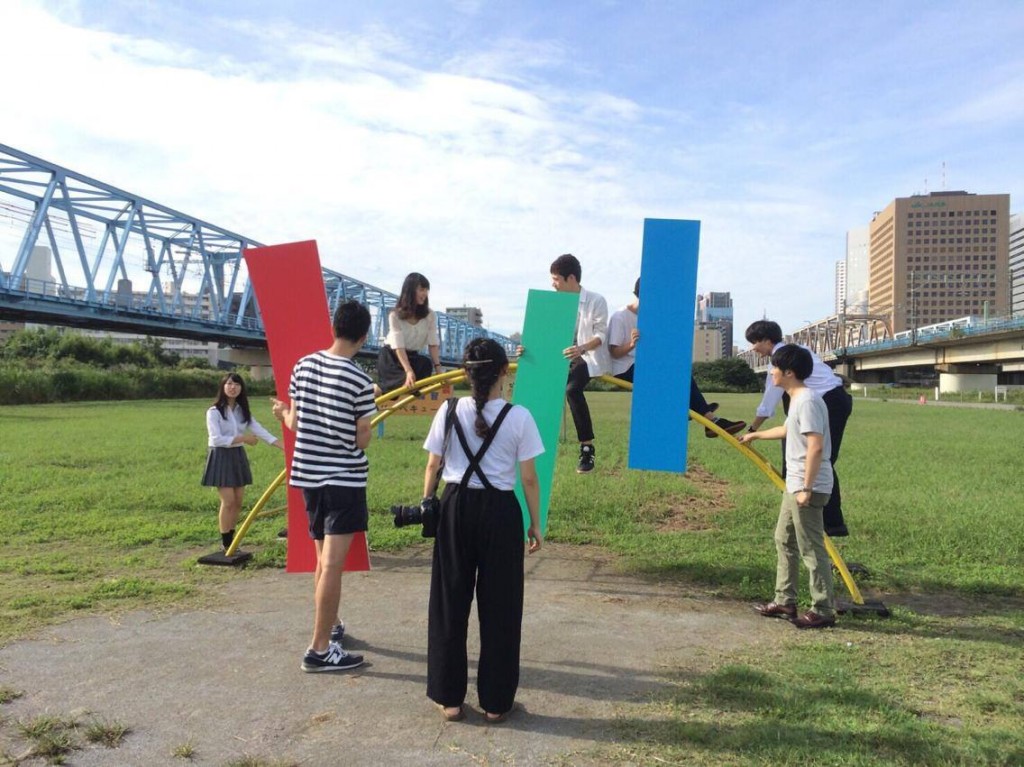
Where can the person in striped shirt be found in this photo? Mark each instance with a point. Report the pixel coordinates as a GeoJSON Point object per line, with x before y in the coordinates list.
{"type": "Point", "coordinates": [330, 410]}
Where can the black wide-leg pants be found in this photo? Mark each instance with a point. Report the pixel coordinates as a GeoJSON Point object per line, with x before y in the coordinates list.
{"type": "Point", "coordinates": [479, 545]}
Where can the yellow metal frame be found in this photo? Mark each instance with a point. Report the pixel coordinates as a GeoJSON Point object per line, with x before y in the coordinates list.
{"type": "Point", "coordinates": [392, 401]}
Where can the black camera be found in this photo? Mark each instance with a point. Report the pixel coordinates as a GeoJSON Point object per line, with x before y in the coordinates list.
{"type": "Point", "coordinates": [426, 514]}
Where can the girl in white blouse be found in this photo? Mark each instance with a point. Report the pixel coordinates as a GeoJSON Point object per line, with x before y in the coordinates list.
{"type": "Point", "coordinates": [230, 425]}
{"type": "Point", "coordinates": [412, 325]}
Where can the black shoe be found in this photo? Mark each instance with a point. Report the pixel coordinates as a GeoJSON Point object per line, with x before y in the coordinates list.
{"type": "Point", "coordinates": [586, 464]}
{"type": "Point", "coordinates": [730, 427]}
{"type": "Point", "coordinates": [837, 532]}
{"type": "Point", "coordinates": [712, 407]}
{"type": "Point", "coordinates": [333, 659]}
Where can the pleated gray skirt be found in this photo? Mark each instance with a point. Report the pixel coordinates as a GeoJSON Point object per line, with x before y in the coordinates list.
{"type": "Point", "coordinates": [227, 467]}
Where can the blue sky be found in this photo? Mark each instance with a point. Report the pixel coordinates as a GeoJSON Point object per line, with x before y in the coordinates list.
{"type": "Point", "coordinates": [475, 141]}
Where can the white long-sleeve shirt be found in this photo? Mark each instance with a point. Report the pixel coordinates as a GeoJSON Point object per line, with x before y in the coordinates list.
{"type": "Point", "coordinates": [222, 430]}
{"type": "Point", "coordinates": [821, 380]}
{"type": "Point", "coordinates": [592, 322]}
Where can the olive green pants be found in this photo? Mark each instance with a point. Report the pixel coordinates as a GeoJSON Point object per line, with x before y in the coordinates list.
{"type": "Point", "coordinates": [800, 534]}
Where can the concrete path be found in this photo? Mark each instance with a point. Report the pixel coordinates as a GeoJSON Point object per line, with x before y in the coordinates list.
{"type": "Point", "coordinates": [596, 643]}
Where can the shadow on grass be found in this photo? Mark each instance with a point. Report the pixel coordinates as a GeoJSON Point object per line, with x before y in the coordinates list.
{"type": "Point", "coordinates": [789, 718]}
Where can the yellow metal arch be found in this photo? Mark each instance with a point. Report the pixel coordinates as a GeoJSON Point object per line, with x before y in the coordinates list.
{"type": "Point", "coordinates": [392, 401]}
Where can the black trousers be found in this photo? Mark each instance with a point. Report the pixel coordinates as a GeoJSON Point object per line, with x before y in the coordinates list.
{"type": "Point", "coordinates": [697, 402]}
{"type": "Point", "coordinates": [479, 545]}
{"type": "Point", "coordinates": [840, 407]}
{"type": "Point", "coordinates": [579, 377]}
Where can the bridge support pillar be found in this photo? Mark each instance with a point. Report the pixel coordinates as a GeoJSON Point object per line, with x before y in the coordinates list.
{"type": "Point", "coordinates": [257, 360]}
{"type": "Point", "coordinates": [960, 378]}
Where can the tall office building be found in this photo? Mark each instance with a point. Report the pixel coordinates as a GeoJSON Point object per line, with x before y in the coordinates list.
{"type": "Point", "coordinates": [1016, 259]}
{"type": "Point", "coordinates": [715, 309]}
{"type": "Point", "coordinates": [858, 243]}
{"type": "Point", "coordinates": [940, 256]}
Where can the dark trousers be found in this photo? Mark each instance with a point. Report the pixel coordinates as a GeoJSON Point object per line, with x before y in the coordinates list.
{"type": "Point", "coordinates": [479, 544]}
{"type": "Point", "coordinates": [698, 404]}
{"type": "Point", "coordinates": [579, 377]}
{"type": "Point", "coordinates": [391, 374]}
{"type": "Point", "coordinates": [840, 406]}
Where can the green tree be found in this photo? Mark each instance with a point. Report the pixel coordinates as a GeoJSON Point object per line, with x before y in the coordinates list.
{"type": "Point", "coordinates": [729, 374]}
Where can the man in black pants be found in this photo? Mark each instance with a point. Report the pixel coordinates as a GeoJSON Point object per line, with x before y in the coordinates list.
{"type": "Point", "coordinates": [588, 356]}
{"type": "Point", "coordinates": [766, 336]}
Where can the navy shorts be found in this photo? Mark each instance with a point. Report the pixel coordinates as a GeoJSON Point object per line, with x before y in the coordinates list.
{"type": "Point", "coordinates": [335, 510]}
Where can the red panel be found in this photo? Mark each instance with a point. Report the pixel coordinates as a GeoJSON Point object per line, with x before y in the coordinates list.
{"type": "Point", "coordinates": [289, 288]}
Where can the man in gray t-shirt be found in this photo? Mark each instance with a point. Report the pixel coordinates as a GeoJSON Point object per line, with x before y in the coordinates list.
{"type": "Point", "coordinates": [800, 532]}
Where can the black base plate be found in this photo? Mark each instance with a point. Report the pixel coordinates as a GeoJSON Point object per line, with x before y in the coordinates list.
{"type": "Point", "coordinates": [237, 559]}
{"type": "Point", "coordinates": [870, 606]}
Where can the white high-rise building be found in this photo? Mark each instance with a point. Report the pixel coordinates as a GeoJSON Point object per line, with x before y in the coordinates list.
{"type": "Point", "coordinates": [1017, 264]}
{"type": "Point", "coordinates": [858, 248]}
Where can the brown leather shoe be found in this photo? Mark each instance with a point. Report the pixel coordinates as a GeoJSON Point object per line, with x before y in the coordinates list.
{"type": "Point", "coordinates": [811, 620]}
{"type": "Point", "coordinates": [775, 610]}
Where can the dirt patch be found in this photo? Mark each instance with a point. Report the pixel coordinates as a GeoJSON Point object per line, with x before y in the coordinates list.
{"type": "Point", "coordinates": [698, 512]}
{"type": "Point", "coordinates": [225, 681]}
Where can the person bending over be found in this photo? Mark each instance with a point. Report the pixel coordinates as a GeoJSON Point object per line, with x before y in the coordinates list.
{"type": "Point", "coordinates": [766, 336]}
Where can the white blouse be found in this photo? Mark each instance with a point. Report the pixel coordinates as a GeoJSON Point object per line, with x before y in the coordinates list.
{"type": "Point", "coordinates": [224, 429]}
{"type": "Point", "coordinates": [405, 335]}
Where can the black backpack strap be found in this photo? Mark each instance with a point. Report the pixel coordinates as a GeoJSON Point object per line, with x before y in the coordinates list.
{"type": "Point", "coordinates": [474, 460]}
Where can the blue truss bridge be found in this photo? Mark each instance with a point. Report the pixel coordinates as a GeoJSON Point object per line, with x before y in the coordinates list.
{"type": "Point", "coordinates": [77, 252]}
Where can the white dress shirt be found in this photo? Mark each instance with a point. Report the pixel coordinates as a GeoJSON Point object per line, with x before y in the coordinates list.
{"type": "Point", "coordinates": [222, 430]}
{"type": "Point", "coordinates": [822, 380]}
{"type": "Point", "coordinates": [591, 323]}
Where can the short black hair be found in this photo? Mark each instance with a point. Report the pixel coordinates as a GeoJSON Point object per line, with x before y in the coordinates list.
{"type": "Point", "coordinates": [351, 321]}
{"type": "Point", "coordinates": [636, 288]}
{"type": "Point", "coordinates": [764, 330]}
{"type": "Point", "coordinates": [795, 358]}
{"type": "Point", "coordinates": [565, 265]}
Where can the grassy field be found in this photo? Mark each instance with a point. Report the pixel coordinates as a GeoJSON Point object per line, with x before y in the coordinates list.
{"type": "Point", "coordinates": [101, 510]}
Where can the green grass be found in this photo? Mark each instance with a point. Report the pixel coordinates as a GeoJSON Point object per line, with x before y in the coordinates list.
{"type": "Point", "coordinates": [101, 510]}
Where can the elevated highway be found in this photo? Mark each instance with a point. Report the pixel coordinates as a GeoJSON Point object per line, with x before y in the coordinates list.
{"type": "Point", "coordinates": [973, 356]}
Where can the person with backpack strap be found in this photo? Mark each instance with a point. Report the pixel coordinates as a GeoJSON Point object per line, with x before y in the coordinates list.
{"type": "Point", "coordinates": [480, 537]}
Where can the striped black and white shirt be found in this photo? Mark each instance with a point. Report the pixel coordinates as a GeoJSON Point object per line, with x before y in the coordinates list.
{"type": "Point", "coordinates": [331, 393]}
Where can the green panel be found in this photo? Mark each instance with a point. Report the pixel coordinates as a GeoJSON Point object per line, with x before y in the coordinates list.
{"type": "Point", "coordinates": [541, 378]}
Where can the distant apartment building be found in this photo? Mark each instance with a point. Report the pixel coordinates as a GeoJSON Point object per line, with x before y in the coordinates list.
{"type": "Point", "coordinates": [471, 314]}
{"type": "Point", "coordinates": [707, 342]}
{"type": "Point", "coordinates": [1016, 260]}
{"type": "Point", "coordinates": [937, 257]}
{"type": "Point", "coordinates": [714, 310]}
{"type": "Point", "coordinates": [840, 286]}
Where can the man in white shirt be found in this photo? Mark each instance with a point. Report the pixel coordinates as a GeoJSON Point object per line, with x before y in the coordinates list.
{"type": "Point", "coordinates": [623, 337]}
{"type": "Point", "coordinates": [588, 356]}
{"type": "Point", "coordinates": [766, 338]}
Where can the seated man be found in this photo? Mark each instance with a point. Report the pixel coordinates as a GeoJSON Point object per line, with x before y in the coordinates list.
{"type": "Point", "coordinates": [622, 340]}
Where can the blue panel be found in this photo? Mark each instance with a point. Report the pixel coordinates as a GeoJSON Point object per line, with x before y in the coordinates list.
{"type": "Point", "coordinates": [664, 355]}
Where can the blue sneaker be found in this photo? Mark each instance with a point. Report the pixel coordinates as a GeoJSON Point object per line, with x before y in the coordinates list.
{"type": "Point", "coordinates": [334, 659]}
{"type": "Point", "coordinates": [338, 632]}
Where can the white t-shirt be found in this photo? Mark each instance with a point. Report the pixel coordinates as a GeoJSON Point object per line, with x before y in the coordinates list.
{"type": "Point", "coordinates": [517, 440]}
{"type": "Point", "coordinates": [620, 329]}
{"type": "Point", "coordinates": [592, 322]}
